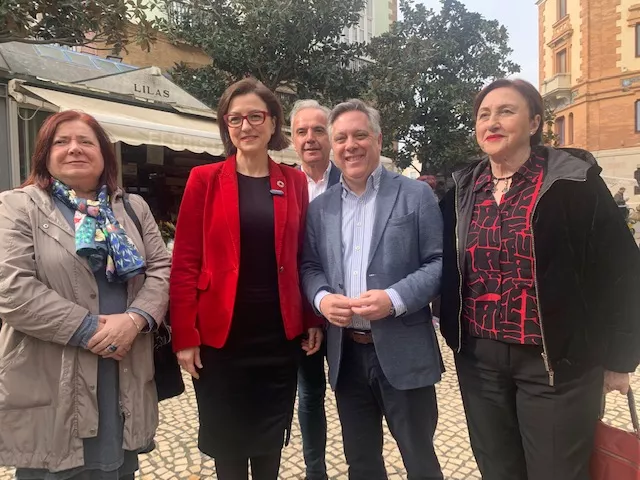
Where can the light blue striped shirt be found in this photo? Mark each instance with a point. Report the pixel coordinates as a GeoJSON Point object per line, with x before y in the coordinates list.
{"type": "Point", "coordinates": [358, 216]}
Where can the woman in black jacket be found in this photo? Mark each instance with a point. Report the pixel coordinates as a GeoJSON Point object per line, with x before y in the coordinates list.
{"type": "Point", "coordinates": [540, 295]}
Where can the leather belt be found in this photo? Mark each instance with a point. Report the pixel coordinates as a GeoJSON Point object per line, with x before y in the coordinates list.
{"type": "Point", "coordinates": [363, 337]}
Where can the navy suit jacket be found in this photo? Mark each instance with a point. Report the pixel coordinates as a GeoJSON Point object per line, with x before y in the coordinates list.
{"type": "Point", "coordinates": [334, 175]}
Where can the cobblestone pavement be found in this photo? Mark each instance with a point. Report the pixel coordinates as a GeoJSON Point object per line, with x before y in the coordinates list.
{"type": "Point", "coordinates": [177, 456]}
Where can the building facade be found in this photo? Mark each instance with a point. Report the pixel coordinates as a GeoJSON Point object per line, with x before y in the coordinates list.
{"type": "Point", "coordinates": [165, 53]}
{"type": "Point", "coordinates": [589, 53]}
{"type": "Point", "coordinates": [375, 19]}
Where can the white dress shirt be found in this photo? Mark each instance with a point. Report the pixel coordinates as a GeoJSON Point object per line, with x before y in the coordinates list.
{"type": "Point", "coordinates": [318, 188]}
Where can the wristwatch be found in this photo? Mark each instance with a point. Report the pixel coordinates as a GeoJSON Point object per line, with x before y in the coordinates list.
{"type": "Point", "coordinates": [392, 311]}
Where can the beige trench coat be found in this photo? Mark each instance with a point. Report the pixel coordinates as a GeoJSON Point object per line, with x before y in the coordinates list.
{"type": "Point", "coordinates": [48, 401]}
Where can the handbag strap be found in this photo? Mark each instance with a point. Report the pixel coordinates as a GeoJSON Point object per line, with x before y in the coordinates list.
{"type": "Point", "coordinates": [131, 212]}
{"type": "Point", "coordinates": [634, 412]}
{"type": "Point", "coordinates": [162, 335]}
{"type": "Point", "coordinates": [632, 409]}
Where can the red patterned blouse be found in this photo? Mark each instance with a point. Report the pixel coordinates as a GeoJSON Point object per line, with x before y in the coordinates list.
{"type": "Point", "coordinates": [499, 299]}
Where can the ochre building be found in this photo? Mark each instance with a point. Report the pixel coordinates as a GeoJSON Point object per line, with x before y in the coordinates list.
{"type": "Point", "coordinates": [589, 54]}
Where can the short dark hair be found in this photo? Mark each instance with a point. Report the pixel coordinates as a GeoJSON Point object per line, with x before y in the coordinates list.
{"type": "Point", "coordinates": [40, 175]}
{"type": "Point", "coordinates": [245, 86]}
{"type": "Point", "coordinates": [530, 94]}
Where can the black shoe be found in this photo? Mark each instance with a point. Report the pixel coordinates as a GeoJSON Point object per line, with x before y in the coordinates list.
{"type": "Point", "coordinates": [149, 448]}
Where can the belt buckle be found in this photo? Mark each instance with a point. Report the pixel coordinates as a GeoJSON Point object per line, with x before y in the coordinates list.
{"type": "Point", "coordinates": [361, 337]}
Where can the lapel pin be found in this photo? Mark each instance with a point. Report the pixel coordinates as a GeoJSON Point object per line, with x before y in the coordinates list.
{"type": "Point", "coordinates": [280, 183]}
{"type": "Point", "coordinates": [276, 192]}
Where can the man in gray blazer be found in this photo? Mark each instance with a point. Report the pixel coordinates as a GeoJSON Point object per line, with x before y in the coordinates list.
{"type": "Point", "coordinates": [371, 265]}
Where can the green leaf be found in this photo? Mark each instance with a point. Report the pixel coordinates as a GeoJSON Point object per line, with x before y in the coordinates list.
{"type": "Point", "coordinates": [284, 43]}
{"type": "Point", "coordinates": [69, 22]}
{"type": "Point", "coordinates": [428, 69]}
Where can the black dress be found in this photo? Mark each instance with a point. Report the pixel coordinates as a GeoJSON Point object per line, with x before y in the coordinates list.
{"type": "Point", "coordinates": [247, 388]}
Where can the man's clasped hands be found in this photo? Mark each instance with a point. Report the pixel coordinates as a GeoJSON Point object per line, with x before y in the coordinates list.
{"type": "Point", "coordinates": [371, 305]}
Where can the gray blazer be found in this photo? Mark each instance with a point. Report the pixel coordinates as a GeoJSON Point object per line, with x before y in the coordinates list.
{"type": "Point", "coordinates": [406, 254]}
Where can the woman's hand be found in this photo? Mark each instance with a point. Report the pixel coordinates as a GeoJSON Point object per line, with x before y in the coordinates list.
{"type": "Point", "coordinates": [114, 336]}
{"type": "Point", "coordinates": [616, 381]}
{"type": "Point", "coordinates": [189, 360]}
{"type": "Point", "coordinates": [312, 343]}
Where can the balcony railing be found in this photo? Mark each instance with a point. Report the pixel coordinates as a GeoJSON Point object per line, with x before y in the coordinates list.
{"type": "Point", "coordinates": [179, 12]}
{"type": "Point", "coordinates": [359, 63]}
{"type": "Point", "coordinates": [557, 89]}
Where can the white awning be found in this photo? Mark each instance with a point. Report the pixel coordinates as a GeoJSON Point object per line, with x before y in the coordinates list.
{"type": "Point", "coordinates": [135, 125]}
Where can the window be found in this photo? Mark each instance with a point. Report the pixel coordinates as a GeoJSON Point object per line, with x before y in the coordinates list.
{"type": "Point", "coordinates": [637, 39]}
{"type": "Point", "coordinates": [570, 132]}
{"type": "Point", "coordinates": [369, 20]}
{"type": "Point", "coordinates": [561, 61]}
{"type": "Point", "coordinates": [637, 116]}
{"type": "Point", "coordinates": [560, 131]}
{"type": "Point", "coordinates": [29, 123]}
{"type": "Point", "coordinates": [562, 9]}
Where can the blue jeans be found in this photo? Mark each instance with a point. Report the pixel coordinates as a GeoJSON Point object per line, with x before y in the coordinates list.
{"type": "Point", "coordinates": [312, 385]}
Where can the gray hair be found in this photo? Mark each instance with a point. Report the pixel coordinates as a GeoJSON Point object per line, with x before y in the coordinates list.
{"type": "Point", "coordinates": [304, 104]}
{"type": "Point", "coordinates": [356, 105]}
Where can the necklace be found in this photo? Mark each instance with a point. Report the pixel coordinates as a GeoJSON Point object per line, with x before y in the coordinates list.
{"type": "Point", "coordinates": [507, 183]}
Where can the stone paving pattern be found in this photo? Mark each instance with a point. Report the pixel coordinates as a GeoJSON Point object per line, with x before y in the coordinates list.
{"type": "Point", "coordinates": [177, 456]}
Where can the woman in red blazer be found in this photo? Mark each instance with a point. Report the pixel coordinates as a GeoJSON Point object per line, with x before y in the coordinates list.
{"type": "Point", "coordinates": [237, 313]}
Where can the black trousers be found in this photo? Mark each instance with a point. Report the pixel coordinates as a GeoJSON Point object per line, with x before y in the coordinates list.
{"type": "Point", "coordinates": [521, 428]}
{"type": "Point", "coordinates": [363, 396]}
{"type": "Point", "coordinates": [312, 386]}
{"type": "Point", "coordinates": [264, 467]}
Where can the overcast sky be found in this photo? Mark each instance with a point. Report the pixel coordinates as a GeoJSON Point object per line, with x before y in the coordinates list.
{"type": "Point", "coordinates": [521, 19]}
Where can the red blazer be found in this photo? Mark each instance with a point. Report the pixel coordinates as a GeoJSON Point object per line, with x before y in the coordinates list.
{"type": "Point", "coordinates": [206, 254]}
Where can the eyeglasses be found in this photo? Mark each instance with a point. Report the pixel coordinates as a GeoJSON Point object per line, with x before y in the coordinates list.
{"type": "Point", "coordinates": [234, 120]}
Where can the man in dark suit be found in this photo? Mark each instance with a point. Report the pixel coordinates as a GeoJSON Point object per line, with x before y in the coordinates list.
{"type": "Point", "coordinates": [311, 141]}
{"type": "Point", "coordinates": [371, 264]}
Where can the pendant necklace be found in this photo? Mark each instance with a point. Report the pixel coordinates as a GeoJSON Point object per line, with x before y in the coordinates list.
{"type": "Point", "coordinates": [497, 180]}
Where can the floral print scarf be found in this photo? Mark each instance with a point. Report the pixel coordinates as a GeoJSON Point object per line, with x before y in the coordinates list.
{"type": "Point", "coordinates": [99, 237]}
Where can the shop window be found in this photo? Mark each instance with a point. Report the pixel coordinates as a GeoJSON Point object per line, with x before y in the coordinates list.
{"type": "Point", "coordinates": [561, 61]}
{"type": "Point", "coordinates": [562, 9]}
{"type": "Point", "coordinates": [637, 105]}
{"type": "Point", "coordinates": [560, 131]}
{"type": "Point", "coordinates": [570, 130]}
{"type": "Point", "coordinates": [29, 123]}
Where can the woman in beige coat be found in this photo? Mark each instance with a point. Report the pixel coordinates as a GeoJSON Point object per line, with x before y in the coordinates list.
{"type": "Point", "coordinates": [79, 290]}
